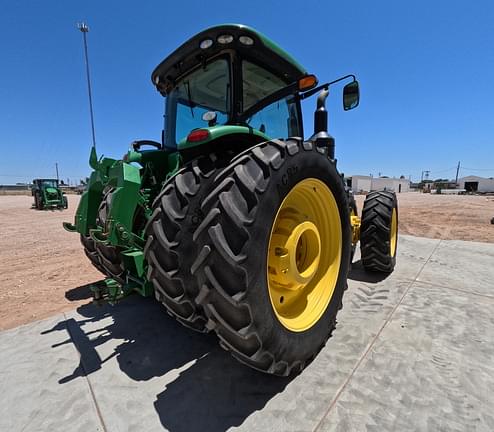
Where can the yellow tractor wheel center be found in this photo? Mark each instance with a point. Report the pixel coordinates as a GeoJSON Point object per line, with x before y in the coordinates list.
{"type": "Point", "coordinates": [304, 255]}
{"type": "Point", "coordinates": [295, 253]}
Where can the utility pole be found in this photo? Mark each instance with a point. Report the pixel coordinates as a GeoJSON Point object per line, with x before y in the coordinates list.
{"type": "Point", "coordinates": [56, 167]}
{"type": "Point", "coordinates": [426, 172]}
{"type": "Point", "coordinates": [84, 29]}
{"type": "Point", "coordinates": [457, 172]}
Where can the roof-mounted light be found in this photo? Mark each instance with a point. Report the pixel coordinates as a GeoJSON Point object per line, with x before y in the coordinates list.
{"type": "Point", "coordinates": [225, 39]}
{"type": "Point", "coordinates": [206, 43]}
{"type": "Point", "coordinates": [246, 40]}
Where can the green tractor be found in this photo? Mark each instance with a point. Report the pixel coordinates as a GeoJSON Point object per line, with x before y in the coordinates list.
{"type": "Point", "coordinates": [234, 222]}
{"type": "Point", "coordinates": [47, 194]}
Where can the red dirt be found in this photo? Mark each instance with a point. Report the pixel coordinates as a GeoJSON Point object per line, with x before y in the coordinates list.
{"type": "Point", "coordinates": [448, 217]}
{"type": "Point", "coordinates": [40, 262]}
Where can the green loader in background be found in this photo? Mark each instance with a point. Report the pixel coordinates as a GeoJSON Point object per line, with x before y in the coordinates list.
{"type": "Point", "coordinates": [234, 221]}
{"type": "Point", "coordinates": [47, 194]}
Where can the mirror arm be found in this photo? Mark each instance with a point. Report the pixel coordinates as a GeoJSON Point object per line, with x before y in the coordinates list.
{"type": "Point", "coordinates": [324, 86]}
{"type": "Point", "coordinates": [285, 91]}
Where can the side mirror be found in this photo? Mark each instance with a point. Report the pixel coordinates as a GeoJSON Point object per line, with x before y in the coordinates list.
{"type": "Point", "coordinates": [351, 96]}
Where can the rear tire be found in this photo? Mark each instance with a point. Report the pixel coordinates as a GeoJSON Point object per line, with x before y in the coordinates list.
{"type": "Point", "coordinates": [234, 265]}
{"type": "Point", "coordinates": [170, 250]}
{"type": "Point", "coordinates": [378, 233]}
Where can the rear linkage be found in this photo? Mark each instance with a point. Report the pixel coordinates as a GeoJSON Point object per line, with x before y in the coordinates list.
{"type": "Point", "coordinates": [120, 226]}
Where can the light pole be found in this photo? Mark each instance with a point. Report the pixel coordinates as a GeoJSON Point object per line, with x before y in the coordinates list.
{"type": "Point", "coordinates": [84, 29]}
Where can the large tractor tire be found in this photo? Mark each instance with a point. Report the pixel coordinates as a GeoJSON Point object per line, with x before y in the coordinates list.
{"type": "Point", "coordinates": [92, 253]}
{"type": "Point", "coordinates": [170, 249]}
{"type": "Point", "coordinates": [109, 255]}
{"type": "Point", "coordinates": [274, 252]}
{"type": "Point", "coordinates": [39, 202]}
{"type": "Point", "coordinates": [379, 232]}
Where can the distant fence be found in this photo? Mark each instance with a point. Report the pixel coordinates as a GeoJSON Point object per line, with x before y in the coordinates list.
{"type": "Point", "coordinates": [15, 190]}
{"type": "Point", "coordinates": [26, 189]}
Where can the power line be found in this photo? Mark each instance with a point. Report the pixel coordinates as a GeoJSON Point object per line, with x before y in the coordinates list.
{"type": "Point", "coordinates": [443, 170]}
{"type": "Point", "coordinates": [478, 169]}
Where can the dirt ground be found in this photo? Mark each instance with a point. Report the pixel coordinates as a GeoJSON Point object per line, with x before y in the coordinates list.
{"type": "Point", "coordinates": [448, 217]}
{"type": "Point", "coordinates": [43, 269]}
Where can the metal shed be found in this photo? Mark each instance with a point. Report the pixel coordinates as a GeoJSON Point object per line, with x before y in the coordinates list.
{"type": "Point", "coordinates": [476, 184]}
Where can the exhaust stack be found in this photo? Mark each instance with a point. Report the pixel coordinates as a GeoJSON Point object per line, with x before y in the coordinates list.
{"type": "Point", "coordinates": [321, 136]}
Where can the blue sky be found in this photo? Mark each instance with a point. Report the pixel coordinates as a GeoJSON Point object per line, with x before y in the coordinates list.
{"type": "Point", "coordinates": [425, 68]}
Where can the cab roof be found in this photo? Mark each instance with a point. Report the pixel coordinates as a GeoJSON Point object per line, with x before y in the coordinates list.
{"type": "Point", "coordinates": [189, 55]}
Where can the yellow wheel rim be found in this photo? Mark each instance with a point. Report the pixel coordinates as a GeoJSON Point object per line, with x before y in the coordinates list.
{"type": "Point", "coordinates": [393, 233]}
{"type": "Point", "coordinates": [304, 255]}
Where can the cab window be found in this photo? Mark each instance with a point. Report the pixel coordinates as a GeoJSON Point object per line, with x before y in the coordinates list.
{"type": "Point", "coordinates": [206, 89]}
{"type": "Point", "coordinates": [257, 83]}
{"type": "Point", "coordinates": [278, 120]}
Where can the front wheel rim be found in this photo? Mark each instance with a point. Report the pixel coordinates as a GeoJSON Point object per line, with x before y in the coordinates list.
{"type": "Point", "coordinates": [393, 233]}
{"type": "Point", "coordinates": [304, 255]}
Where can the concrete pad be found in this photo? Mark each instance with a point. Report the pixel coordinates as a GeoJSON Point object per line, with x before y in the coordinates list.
{"type": "Point", "coordinates": [146, 372]}
{"type": "Point", "coordinates": [463, 265]}
{"type": "Point", "coordinates": [431, 368]}
{"type": "Point", "coordinates": [34, 359]}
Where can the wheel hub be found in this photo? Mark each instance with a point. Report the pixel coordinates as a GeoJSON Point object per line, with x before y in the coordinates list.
{"type": "Point", "coordinates": [295, 253]}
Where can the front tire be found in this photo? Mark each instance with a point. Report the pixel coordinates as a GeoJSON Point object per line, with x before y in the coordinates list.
{"type": "Point", "coordinates": [379, 232]}
{"type": "Point", "coordinates": [92, 253]}
{"type": "Point", "coordinates": [278, 202]}
{"type": "Point", "coordinates": [109, 255]}
{"type": "Point", "coordinates": [39, 205]}
{"type": "Point", "coordinates": [352, 208]}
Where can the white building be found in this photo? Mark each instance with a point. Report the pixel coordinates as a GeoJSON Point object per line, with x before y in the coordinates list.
{"type": "Point", "coordinates": [476, 184]}
{"type": "Point", "coordinates": [361, 184]}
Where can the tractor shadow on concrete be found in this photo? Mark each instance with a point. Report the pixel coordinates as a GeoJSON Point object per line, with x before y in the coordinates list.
{"type": "Point", "coordinates": [212, 391]}
{"type": "Point", "coordinates": [357, 273]}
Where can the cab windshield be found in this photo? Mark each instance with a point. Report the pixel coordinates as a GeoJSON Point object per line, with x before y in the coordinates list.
{"type": "Point", "coordinates": [49, 183]}
{"type": "Point", "coordinates": [206, 89]}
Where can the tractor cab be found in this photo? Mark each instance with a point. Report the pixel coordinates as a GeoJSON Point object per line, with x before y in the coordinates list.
{"type": "Point", "coordinates": [230, 80]}
{"type": "Point", "coordinates": [45, 183]}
